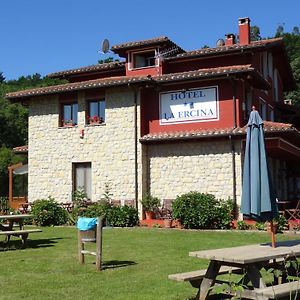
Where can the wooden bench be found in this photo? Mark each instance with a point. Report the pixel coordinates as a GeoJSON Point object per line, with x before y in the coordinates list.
{"type": "Point", "coordinates": [22, 233]}
{"type": "Point", "coordinates": [195, 277]}
{"type": "Point", "coordinates": [283, 290]}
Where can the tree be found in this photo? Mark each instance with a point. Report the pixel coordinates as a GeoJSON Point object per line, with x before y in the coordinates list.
{"type": "Point", "coordinates": [292, 42]}
{"type": "Point", "coordinates": [14, 121]}
{"type": "Point", "coordinates": [279, 31]}
{"type": "Point", "coordinates": [296, 30]}
{"type": "Point", "coordinates": [2, 78]}
{"type": "Point", "coordinates": [107, 60]}
{"type": "Point", "coordinates": [255, 33]}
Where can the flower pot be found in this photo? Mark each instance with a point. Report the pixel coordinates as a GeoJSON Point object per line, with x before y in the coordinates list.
{"type": "Point", "coordinates": [149, 215]}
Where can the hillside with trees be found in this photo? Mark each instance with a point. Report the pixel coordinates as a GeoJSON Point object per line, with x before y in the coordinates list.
{"type": "Point", "coordinates": [14, 122]}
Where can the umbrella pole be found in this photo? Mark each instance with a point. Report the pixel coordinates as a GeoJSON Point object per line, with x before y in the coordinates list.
{"type": "Point", "coordinates": [273, 234]}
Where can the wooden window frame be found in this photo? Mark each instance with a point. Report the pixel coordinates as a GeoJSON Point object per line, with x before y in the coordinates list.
{"type": "Point", "coordinates": [62, 121]}
{"type": "Point", "coordinates": [96, 119]}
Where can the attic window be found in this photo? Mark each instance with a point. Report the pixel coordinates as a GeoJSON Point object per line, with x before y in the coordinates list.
{"type": "Point", "coordinates": [143, 59]}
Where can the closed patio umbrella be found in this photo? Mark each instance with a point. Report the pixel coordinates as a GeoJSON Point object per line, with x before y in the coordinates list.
{"type": "Point", "coordinates": [258, 198]}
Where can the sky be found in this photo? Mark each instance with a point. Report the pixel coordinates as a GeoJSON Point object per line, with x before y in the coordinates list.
{"type": "Point", "coordinates": [45, 36]}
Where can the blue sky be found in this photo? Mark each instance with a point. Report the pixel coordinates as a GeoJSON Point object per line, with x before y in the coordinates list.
{"type": "Point", "coordinates": [44, 36]}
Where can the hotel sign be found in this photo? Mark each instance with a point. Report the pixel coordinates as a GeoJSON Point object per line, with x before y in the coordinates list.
{"type": "Point", "coordinates": [195, 105]}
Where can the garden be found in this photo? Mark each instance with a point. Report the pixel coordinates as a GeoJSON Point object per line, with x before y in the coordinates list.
{"type": "Point", "coordinates": [136, 259]}
{"type": "Point", "coordinates": [137, 262]}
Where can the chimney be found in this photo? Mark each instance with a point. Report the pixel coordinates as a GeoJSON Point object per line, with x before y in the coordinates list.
{"type": "Point", "coordinates": [244, 31]}
{"type": "Point", "coordinates": [230, 39]}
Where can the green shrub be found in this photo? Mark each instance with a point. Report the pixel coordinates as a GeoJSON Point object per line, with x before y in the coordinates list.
{"type": "Point", "coordinates": [260, 226]}
{"type": "Point", "coordinates": [150, 203]}
{"type": "Point", "coordinates": [47, 212]}
{"type": "Point", "coordinates": [224, 213]}
{"type": "Point", "coordinates": [123, 216]}
{"type": "Point", "coordinates": [242, 225]}
{"type": "Point", "coordinates": [282, 222]}
{"type": "Point", "coordinates": [79, 198]}
{"type": "Point", "coordinates": [100, 208]}
{"type": "Point", "coordinates": [198, 210]}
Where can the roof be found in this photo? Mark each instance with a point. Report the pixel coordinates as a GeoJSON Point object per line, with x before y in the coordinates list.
{"type": "Point", "coordinates": [76, 86]}
{"type": "Point", "coordinates": [162, 41]}
{"type": "Point", "coordinates": [214, 72]}
{"type": "Point", "coordinates": [89, 69]}
{"type": "Point", "coordinates": [230, 48]}
{"type": "Point", "coordinates": [269, 127]}
{"type": "Point", "coordinates": [124, 80]}
{"type": "Point", "coordinates": [21, 149]}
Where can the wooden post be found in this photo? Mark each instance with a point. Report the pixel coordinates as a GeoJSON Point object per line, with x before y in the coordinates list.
{"type": "Point", "coordinates": [10, 187]}
{"type": "Point", "coordinates": [80, 248]}
{"type": "Point", "coordinates": [99, 244]}
{"type": "Point", "coordinates": [273, 234]}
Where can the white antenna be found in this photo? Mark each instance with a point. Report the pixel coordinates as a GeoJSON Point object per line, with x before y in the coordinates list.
{"type": "Point", "coordinates": [104, 46]}
{"type": "Point", "coordinates": [167, 52]}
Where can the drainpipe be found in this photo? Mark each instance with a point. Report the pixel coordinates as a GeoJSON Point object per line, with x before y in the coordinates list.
{"type": "Point", "coordinates": [136, 187]}
{"type": "Point", "coordinates": [233, 149]}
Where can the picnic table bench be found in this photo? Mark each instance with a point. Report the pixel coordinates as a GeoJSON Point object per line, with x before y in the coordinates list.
{"type": "Point", "coordinates": [20, 233]}
{"type": "Point", "coordinates": [195, 277]}
{"type": "Point", "coordinates": [7, 230]}
{"type": "Point", "coordinates": [248, 260]}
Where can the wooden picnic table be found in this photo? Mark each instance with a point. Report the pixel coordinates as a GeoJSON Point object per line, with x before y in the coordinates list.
{"type": "Point", "coordinates": [250, 259]}
{"type": "Point", "coordinates": [8, 229]}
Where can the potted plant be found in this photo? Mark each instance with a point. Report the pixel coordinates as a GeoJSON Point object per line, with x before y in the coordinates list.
{"type": "Point", "coordinates": [67, 123]}
{"type": "Point", "coordinates": [94, 120]}
{"type": "Point", "coordinates": [150, 204]}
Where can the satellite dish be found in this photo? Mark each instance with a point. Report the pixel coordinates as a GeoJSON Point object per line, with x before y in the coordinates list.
{"type": "Point", "coordinates": [105, 46]}
{"type": "Point", "coordinates": [220, 43]}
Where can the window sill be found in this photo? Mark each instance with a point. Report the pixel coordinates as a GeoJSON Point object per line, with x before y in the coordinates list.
{"type": "Point", "coordinates": [95, 124]}
{"type": "Point", "coordinates": [66, 127]}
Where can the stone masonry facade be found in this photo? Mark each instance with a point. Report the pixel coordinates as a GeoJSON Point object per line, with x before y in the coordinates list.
{"type": "Point", "coordinates": [204, 166]}
{"type": "Point", "coordinates": [108, 147]}
{"type": "Point", "coordinates": [165, 170]}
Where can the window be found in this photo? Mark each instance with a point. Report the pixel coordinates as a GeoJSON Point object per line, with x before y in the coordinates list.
{"type": "Point", "coordinates": [69, 114]}
{"type": "Point", "coordinates": [248, 103]}
{"type": "Point", "coordinates": [264, 64]}
{"type": "Point", "coordinates": [82, 177]}
{"type": "Point", "coordinates": [96, 112]}
{"type": "Point", "coordinates": [144, 59]}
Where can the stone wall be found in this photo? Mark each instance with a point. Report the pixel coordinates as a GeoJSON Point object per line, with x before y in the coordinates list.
{"type": "Point", "coordinates": [109, 147]}
{"type": "Point", "coordinates": [204, 166]}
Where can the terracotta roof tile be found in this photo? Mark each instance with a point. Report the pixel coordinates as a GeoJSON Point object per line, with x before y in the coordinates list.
{"type": "Point", "coordinates": [162, 40]}
{"type": "Point", "coordinates": [230, 48]}
{"type": "Point", "coordinates": [269, 127]}
{"type": "Point", "coordinates": [76, 86]}
{"type": "Point", "coordinates": [123, 80]}
{"type": "Point", "coordinates": [21, 149]}
{"type": "Point", "coordinates": [89, 69]}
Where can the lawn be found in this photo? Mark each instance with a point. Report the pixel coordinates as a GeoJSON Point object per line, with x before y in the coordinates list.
{"type": "Point", "coordinates": [137, 263]}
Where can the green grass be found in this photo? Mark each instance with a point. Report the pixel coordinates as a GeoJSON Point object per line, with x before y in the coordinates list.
{"type": "Point", "coordinates": [137, 263]}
